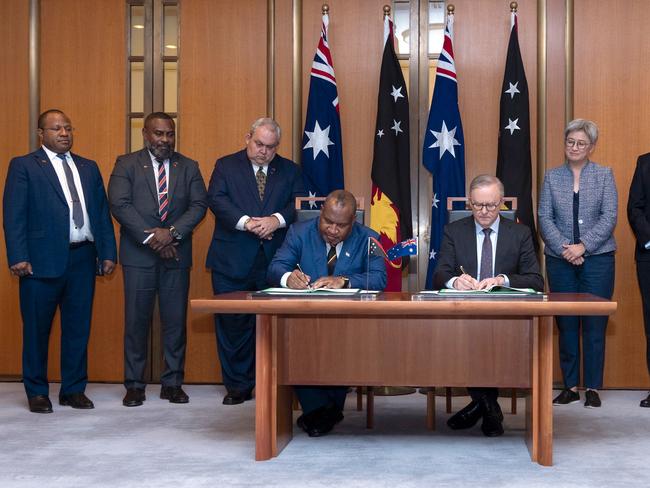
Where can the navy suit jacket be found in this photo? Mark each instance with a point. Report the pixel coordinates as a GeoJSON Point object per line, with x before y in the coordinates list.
{"type": "Point", "coordinates": [232, 193]}
{"type": "Point", "coordinates": [305, 246]}
{"type": "Point", "coordinates": [37, 216]}
{"type": "Point", "coordinates": [638, 207]}
{"type": "Point", "coordinates": [515, 254]}
{"type": "Point", "coordinates": [134, 203]}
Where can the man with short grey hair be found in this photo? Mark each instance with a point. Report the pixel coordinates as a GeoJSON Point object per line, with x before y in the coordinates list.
{"type": "Point", "coordinates": [478, 252]}
{"type": "Point", "coordinates": [252, 194]}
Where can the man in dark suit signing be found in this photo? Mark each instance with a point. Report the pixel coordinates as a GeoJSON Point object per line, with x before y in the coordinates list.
{"type": "Point", "coordinates": [477, 252]}
{"type": "Point", "coordinates": [330, 251]}
{"type": "Point", "coordinates": [158, 197]}
{"type": "Point", "coordinates": [252, 194]}
{"type": "Point", "coordinates": [59, 233]}
{"type": "Point", "coordinates": [638, 213]}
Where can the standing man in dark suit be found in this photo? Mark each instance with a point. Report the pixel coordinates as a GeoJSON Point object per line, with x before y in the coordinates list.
{"type": "Point", "coordinates": [477, 252]}
{"type": "Point", "coordinates": [59, 233]}
{"type": "Point", "coordinates": [330, 251]}
{"type": "Point", "coordinates": [638, 213]}
{"type": "Point", "coordinates": [158, 197]}
{"type": "Point", "coordinates": [252, 194]}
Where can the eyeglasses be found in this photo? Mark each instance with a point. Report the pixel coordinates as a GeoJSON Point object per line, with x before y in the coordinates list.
{"type": "Point", "coordinates": [67, 128]}
{"type": "Point", "coordinates": [579, 144]}
{"type": "Point", "coordinates": [490, 207]}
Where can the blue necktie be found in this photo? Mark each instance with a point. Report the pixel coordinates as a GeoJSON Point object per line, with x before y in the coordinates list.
{"type": "Point", "coordinates": [486, 256]}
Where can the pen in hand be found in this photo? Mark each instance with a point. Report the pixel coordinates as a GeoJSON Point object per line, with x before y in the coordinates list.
{"type": "Point", "coordinates": [462, 270]}
{"type": "Point", "coordinates": [300, 269]}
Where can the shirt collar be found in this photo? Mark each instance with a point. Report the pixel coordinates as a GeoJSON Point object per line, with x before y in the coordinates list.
{"type": "Point", "coordinates": [154, 160]}
{"type": "Point", "coordinates": [494, 226]}
{"type": "Point", "coordinates": [53, 155]}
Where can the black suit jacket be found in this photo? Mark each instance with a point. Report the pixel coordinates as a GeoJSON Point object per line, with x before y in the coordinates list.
{"type": "Point", "coordinates": [515, 254]}
{"type": "Point", "coordinates": [134, 203]}
{"type": "Point", "coordinates": [233, 193]}
{"type": "Point", "coordinates": [638, 206]}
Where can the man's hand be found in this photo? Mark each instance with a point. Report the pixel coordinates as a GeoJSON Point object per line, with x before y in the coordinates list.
{"type": "Point", "coordinates": [263, 227]}
{"type": "Point", "coordinates": [329, 282]}
{"type": "Point", "coordinates": [108, 266]}
{"type": "Point", "coordinates": [465, 282]}
{"type": "Point", "coordinates": [161, 237]}
{"type": "Point", "coordinates": [169, 252]}
{"type": "Point", "coordinates": [23, 268]}
{"type": "Point", "coordinates": [298, 280]}
{"type": "Point", "coordinates": [573, 253]}
{"type": "Point", "coordinates": [488, 282]}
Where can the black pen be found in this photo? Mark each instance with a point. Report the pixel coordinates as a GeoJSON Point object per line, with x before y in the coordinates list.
{"type": "Point", "coordinates": [300, 269]}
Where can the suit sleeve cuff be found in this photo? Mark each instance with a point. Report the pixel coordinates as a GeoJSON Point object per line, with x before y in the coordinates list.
{"type": "Point", "coordinates": [241, 222]}
{"type": "Point", "coordinates": [285, 277]}
{"type": "Point", "coordinates": [506, 280]}
{"type": "Point", "coordinates": [647, 245]}
{"type": "Point", "coordinates": [450, 283]}
{"type": "Point", "coordinates": [283, 223]}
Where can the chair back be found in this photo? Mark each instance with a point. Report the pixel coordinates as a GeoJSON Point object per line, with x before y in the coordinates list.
{"type": "Point", "coordinates": [457, 214]}
{"type": "Point", "coordinates": [314, 204]}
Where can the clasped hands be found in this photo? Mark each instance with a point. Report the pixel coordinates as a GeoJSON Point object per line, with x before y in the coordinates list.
{"type": "Point", "coordinates": [262, 227]}
{"type": "Point", "coordinates": [468, 282]}
{"type": "Point", "coordinates": [301, 281]}
{"type": "Point", "coordinates": [574, 253]}
{"type": "Point", "coordinates": [163, 243]}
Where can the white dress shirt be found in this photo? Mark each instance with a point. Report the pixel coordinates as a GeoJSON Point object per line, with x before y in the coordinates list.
{"type": "Point", "coordinates": [241, 223]}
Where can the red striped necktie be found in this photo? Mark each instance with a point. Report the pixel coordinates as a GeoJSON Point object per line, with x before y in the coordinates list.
{"type": "Point", "coordinates": [162, 191]}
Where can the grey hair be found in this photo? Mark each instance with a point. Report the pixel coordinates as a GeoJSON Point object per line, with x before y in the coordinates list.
{"type": "Point", "coordinates": [267, 122]}
{"type": "Point", "coordinates": [587, 126]}
{"type": "Point", "coordinates": [486, 180]}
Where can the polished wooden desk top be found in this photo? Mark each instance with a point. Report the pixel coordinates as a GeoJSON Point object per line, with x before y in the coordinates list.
{"type": "Point", "coordinates": [402, 304]}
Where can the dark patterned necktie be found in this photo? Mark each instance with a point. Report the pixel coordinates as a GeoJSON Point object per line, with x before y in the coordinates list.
{"type": "Point", "coordinates": [77, 211]}
{"type": "Point", "coordinates": [486, 256]}
{"type": "Point", "coordinates": [162, 191]}
{"type": "Point", "coordinates": [260, 176]}
{"type": "Point", "coordinates": [331, 260]}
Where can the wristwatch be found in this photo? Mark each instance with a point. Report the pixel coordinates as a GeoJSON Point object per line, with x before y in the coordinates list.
{"type": "Point", "coordinates": [175, 234]}
{"type": "Point", "coordinates": [346, 282]}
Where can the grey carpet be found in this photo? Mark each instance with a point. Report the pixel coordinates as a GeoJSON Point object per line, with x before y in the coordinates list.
{"type": "Point", "coordinates": [207, 444]}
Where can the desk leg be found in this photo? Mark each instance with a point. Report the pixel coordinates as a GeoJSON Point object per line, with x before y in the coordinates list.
{"type": "Point", "coordinates": [273, 413]}
{"type": "Point", "coordinates": [539, 408]}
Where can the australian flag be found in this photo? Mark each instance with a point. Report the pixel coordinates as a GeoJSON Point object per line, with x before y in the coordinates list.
{"type": "Point", "coordinates": [408, 247]}
{"type": "Point", "coordinates": [443, 153]}
{"type": "Point", "coordinates": [322, 155]}
{"type": "Point", "coordinates": [513, 157]}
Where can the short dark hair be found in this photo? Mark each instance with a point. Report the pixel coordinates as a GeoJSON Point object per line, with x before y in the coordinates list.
{"type": "Point", "coordinates": [157, 115]}
{"type": "Point", "coordinates": [342, 198]}
{"type": "Point", "coordinates": [43, 116]}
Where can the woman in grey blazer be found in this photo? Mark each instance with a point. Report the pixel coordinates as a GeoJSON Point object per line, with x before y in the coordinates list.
{"type": "Point", "coordinates": [577, 215]}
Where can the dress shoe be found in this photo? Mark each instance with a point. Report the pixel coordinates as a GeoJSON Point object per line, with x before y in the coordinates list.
{"type": "Point", "coordinates": [492, 418]}
{"type": "Point", "coordinates": [174, 394]}
{"type": "Point", "coordinates": [235, 397]}
{"type": "Point", "coordinates": [40, 404]}
{"type": "Point", "coordinates": [645, 402]}
{"type": "Point", "coordinates": [134, 397]}
{"type": "Point", "coordinates": [319, 422]}
{"type": "Point", "coordinates": [466, 417]}
{"type": "Point", "coordinates": [592, 399]}
{"type": "Point", "coordinates": [566, 397]}
{"type": "Point", "coordinates": [76, 400]}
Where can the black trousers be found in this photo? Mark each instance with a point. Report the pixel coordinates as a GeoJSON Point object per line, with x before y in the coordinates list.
{"type": "Point", "coordinates": [643, 275]}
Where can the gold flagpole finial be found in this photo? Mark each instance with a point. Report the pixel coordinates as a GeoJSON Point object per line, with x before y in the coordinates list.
{"type": "Point", "coordinates": [386, 10]}
{"type": "Point", "coordinates": [450, 9]}
{"type": "Point", "coordinates": [325, 9]}
{"type": "Point", "coordinates": [513, 6]}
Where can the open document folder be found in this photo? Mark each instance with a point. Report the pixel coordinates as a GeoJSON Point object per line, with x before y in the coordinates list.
{"type": "Point", "coordinates": [332, 292]}
{"type": "Point", "coordinates": [494, 291]}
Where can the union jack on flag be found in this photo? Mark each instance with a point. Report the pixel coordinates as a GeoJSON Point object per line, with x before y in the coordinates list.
{"type": "Point", "coordinates": [408, 247]}
{"type": "Point", "coordinates": [322, 155]}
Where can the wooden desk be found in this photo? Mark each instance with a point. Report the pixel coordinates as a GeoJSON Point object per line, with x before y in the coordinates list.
{"type": "Point", "coordinates": [395, 340]}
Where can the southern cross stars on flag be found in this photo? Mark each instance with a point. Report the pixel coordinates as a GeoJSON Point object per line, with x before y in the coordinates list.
{"type": "Point", "coordinates": [444, 145]}
{"type": "Point", "coordinates": [409, 247]}
{"type": "Point", "coordinates": [390, 205]}
{"type": "Point", "coordinates": [322, 156]}
{"type": "Point", "coordinates": [514, 167]}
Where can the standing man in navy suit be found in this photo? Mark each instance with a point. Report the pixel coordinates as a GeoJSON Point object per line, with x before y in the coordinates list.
{"type": "Point", "coordinates": [59, 233]}
{"type": "Point", "coordinates": [252, 194]}
{"type": "Point", "coordinates": [158, 197]}
{"type": "Point", "coordinates": [330, 251]}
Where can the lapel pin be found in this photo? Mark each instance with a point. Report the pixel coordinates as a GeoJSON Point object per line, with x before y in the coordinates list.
{"type": "Point", "coordinates": [347, 254]}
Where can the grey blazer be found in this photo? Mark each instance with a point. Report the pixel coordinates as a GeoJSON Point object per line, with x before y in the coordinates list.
{"type": "Point", "coordinates": [596, 216]}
